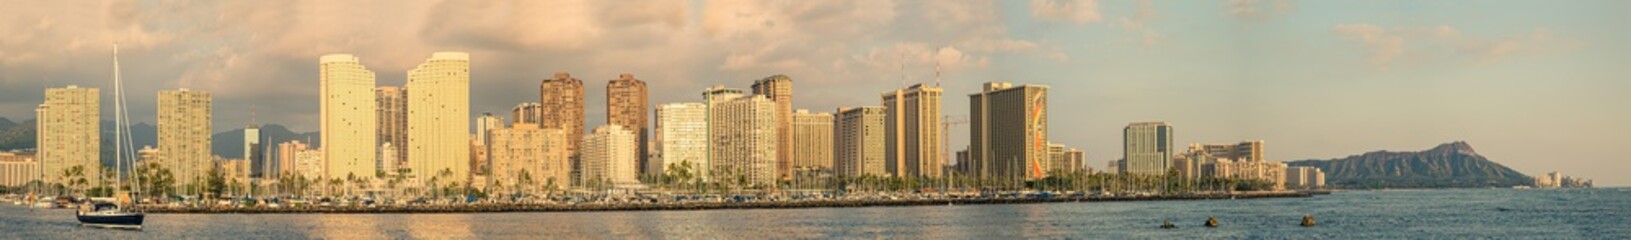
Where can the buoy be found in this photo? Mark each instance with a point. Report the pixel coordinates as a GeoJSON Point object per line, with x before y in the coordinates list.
{"type": "Point", "coordinates": [1308, 220]}
{"type": "Point", "coordinates": [1211, 222]}
{"type": "Point", "coordinates": [1167, 224]}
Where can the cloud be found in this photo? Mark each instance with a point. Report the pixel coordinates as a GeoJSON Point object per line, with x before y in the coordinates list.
{"type": "Point", "coordinates": [1388, 46]}
{"type": "Point", "coordinates": [1136, 28]}
{"type": "Point", "coordinates": [259, 57]}
{"type": "Point", "coordinates": [1258, 9]}
{"type": "Point", "coordinates": [1077, 11]}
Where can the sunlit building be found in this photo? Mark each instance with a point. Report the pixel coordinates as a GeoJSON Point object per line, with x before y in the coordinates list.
{"type": "Point", "coordinates": [439, 118]}
{"type": "Point", "coordinates": [779, 89]}
{"type": "Point", "coordinates": [1008, 131]}
{"type": "Point", "coordinates": [812, 141]}
{"type": "Point", "coordinates": [348, 118]}
{"type": "Point", "coordinates": [858, 142]}
{"type": "Point", "coordinates": [912, 134]}
{"type": "Point", "coordinates": [69, 133]}
{"type": "Point", "coordinates": [682, 138]}
{"type": "Point", "coordinates": [184, 134]}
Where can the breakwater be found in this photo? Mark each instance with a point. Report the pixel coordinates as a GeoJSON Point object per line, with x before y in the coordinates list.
{"type": "Point", "coordinates": [688, 205]}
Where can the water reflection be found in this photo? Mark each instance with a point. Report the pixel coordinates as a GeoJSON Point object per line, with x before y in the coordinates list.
{"type": "Point", "coordinates": [331, 226]}
{"type": "Point", "coordinates": [439, 226]}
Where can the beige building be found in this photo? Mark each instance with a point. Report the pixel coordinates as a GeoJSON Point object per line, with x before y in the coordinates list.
{"type": "Point", "coordinates": [391, 109]}
{"type": "Point", "coordinates": [1201, 154]}
{"type": "Point", "coordinates": [609, 158]}
{"type": "Point", "coordinates": [912, 137]}
{"type": "Point", "coordinates": [1273, 172]}
{"type": "Point", "coordinates": [348, 119]}
{"type": "Point", "coordinates": [17, 169]}
{"type": "Point", "coordinates": [561, 101]}
{"type": "Point", "coordinates": [526, 113]}
{"type": "Point", "coordinates": [309, 163]}
{"type": "Point", "coordinates": [779, 89]}
{"type": "Point", "coordinates": [288, 159]}
{"type": "Point", "coordinates": [439, 118]}
{"type": "Point", "coordinates": [682, 137]}
{"type": "Point", "coordinates": [1305, 178]}
{"type": "Point", "coordinates": [626, 106]}
{"type": "Point", "coordinates": [69, 133]}
{"type": "Point", "coordinates": [1008, 131]}
{"type": "Point", "coordinates": [481, 158]}
{"type": "Point", "coordinates": [1066, 159]}
{"type": "Point", "coordinates": [812, 141]}
{"type": "Point", "coordinates": [529, 157]}
{"type": "Point", "coordinates": [184, 134]}
{"type": "Point", "coordinates": [742, 131]}
{"type": "Point", "coordinates": [858, 142]}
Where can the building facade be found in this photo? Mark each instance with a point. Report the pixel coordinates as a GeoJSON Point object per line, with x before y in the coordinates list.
{"type": "Point", "coordinates": [391, 109]}
{"type": "Point", "coordinates": [858, 142]}
{"type": "Point", "coordinates": [1147, 148]}
{"type": "Point", "coordinates": [184, 135]}
{"type": "Point", "coordinates": [529, 158]}
{"type": "Point", "coordinates": [626, 106]}
{"type": "Point", "coordinates": [288, 157]}
{"type": "Point", "coordinates": [682, 138]}
{"type": "Point", "coordinates": [742, 132]}
{"type": "Point", "coordinates": [254, 152]}
{"type": "Point", "coordinates": [526, 113]}
{"type": "Point", "coordinates": [912, 132]}
{"type": "Point", "coordinates": [348, 117]}
{"type": "Point", "coordinates": [439, 118]}
{"type": "Point", "coordinates": [561, 102]}
{"type": "Point", "coordinates": [69, 133]}
{"type": "Point", "coordinates": [812, 141]}
{"type": "Point", "coordinates": [779, 89]}
{"type": "Point", "coordinates": [1008, 131]}
{"type": "Point", "coordinates": [608, 158]}
{"type": "Point", "coordinates": [1305, 178]}
{"type": "Point", "coordinates": [17, 169]}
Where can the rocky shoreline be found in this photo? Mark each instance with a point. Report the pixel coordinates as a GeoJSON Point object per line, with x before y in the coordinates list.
{"type": "Point", "coordinates": [688, 206]}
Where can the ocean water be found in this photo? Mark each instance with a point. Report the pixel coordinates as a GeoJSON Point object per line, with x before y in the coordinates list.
{"type": "Point", "coordinates": [1393, 214]}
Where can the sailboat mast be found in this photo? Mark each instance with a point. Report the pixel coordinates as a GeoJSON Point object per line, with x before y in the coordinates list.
{"type": "Point", "coordinates": [118, 121]}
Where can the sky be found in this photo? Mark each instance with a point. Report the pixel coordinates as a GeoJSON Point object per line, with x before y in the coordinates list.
{"type": "Point", "coordinates": [1536, 85]}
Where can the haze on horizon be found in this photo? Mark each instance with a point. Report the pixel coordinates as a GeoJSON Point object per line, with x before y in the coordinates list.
{"type": "Point", "coordinates": [1535, 85]}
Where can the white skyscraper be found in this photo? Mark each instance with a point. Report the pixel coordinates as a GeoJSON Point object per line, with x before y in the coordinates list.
{"type": "Point", "coordinates": [682, 137]}
{"type": "Point", "coordinates": [609, 157]}
{"type": "Point", "coordinates": [439, 118]}
{"type": "Point", "coordinates": [348, 121]}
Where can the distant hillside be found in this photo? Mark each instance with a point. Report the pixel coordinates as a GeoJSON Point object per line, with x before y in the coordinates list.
{"type": "Point", "coordinates": [1450, 165]}
{"type": "Point", "coordinates": [230, 143]}
{"type": "Point", "coordinates": [16, 135]}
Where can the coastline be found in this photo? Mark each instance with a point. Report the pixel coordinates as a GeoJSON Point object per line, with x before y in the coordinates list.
{"type": "Point", "coordinates": [693, 206]}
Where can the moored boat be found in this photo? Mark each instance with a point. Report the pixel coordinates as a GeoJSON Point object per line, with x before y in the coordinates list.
{"type": "Point", "coordinates": [110, 215]}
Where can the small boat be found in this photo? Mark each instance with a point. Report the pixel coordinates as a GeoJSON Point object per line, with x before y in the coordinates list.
{"type": "Point", "coordinates": [110, 215]}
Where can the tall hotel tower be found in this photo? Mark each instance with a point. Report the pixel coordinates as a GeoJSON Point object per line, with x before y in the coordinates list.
{"type": "Point", "coordinates": [1147, 148]}
{"type": "Point", "coordinates": [439, 117]}
{"type": "Point", "coordinates": [348, 117]}
{"type": "Point", "coordinates": [561, 107]}
{"type": "Point", "coordinates": [912, 131]}
{"type": "Point", "coordinates": [392, 136]}
{"type": "Point", "coordinates": [184, 134]}
{"type": "Point", "coordinates": [682, 137]}
{"type": "Point", "coordinates": [626, 106]}
{"type": "Point", "coordinates": [1008, 131]}
{"type": "Point", "coordinates": [779, 89]}
{"type": "Point", "coordinates": [69, 132]}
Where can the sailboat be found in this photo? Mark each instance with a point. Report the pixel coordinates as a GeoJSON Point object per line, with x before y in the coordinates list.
{"type": "Point", "coordinates": [120, 214]}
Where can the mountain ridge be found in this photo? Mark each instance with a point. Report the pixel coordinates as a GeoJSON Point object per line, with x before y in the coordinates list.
{"type": "Point", "coordinates": [1449, 165]}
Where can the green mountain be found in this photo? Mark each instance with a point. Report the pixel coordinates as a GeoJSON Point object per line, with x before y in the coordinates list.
{"type": "Point", "coordinates": [1450, 165]}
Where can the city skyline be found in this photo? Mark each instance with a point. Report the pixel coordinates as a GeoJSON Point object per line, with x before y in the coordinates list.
{"type": "Point", "coordinates": [1390, 79]}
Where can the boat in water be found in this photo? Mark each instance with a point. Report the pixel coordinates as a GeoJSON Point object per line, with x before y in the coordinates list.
{"type": "Point", "coordinates": [120, 213]}
{"type": "Point", "coordinates": [109, 215]}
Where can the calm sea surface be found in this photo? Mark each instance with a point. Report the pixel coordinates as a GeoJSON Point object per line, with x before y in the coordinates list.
{"type": "Point", "coordinates": [1398, 214]}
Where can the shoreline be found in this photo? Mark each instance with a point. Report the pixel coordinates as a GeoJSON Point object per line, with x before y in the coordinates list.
{"type": "Point", "coordinates": [696, 206]}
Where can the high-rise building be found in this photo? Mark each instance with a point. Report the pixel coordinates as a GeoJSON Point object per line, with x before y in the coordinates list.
{"type": "Point", "coordinates": [288, 157]}
{"type": "Point", "coordinates": [392, 111]}
{"type": "Point", "coordinates": [1202, 154]}
{"type": "Point", "coordinates": [608, 157]}
{"type": "Point", "coordinates": [1008, 131]}
{"type": "Point", "coordinates": [626, 106]}
{"type": "Point", "coordinates": [682, 138]}
{"type": "Point", "coordinates": [69, 133]}
{"type": "Point", "coordinates": [1148, 148]}
{"type": "Point", "coordinates": [1065, 159]}
{"type": "Point", "coordinates": [858, 142]}
{"type": "Point", "coordinates": [184, 134]}
{"type": "Point", "coordinates": [439, 118]}
{"type": "Point", "coordinates": [812, 141]}
{"type": "Point", "coordinates": [481, 162]}
{"type": "Point", "coordinates": [17, 169]}
{"type": "Point", "coordinates": [742, 132]}
{"type": "Point", "coordinates": [348, 124]}
{"type": "Point", "coordinates": [254, 153]}
{"type": "Point", "coordinates": [561, 107]}
{"type": "Point", "coordinates": [526, 113]}
{"type": "Point", "coordinates": [779, 89]}
{"type": "Point", "coordinates": [912, 132]}
{"type": "Point", "coordinates": [529, 158]}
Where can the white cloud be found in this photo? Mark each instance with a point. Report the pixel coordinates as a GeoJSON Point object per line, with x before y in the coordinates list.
{"type": "Point", "coordinates": [1258, 9]}
{"type": "Point", "coordinates": [1077, 11]}
{"type": "Point", "coordinates": [1388, 46]}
